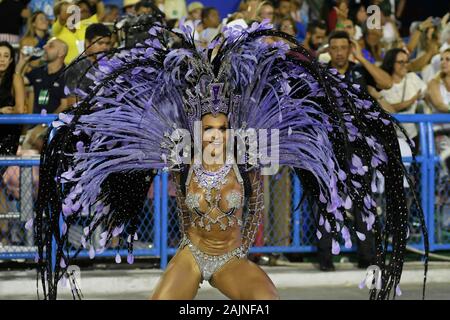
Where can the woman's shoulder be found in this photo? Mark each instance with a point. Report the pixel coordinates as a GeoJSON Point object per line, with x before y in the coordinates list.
{"type": "Point", "coordinates": [435, 82]}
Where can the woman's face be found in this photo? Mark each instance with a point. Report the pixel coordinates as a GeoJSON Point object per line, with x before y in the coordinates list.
{"type": "Point", "coordinates": [5, 58]}
{"type": "Point", "coordinates": [214, 135]}
{"type": "Point", "coordinates": [287, 27]}
{"type": "Point", "coordinates": [401, 65]}
{"type": "Point", "coordinates": [361, 15]}
{"type": "Point", "coordinates": [445, 63]}
{"type": "Point", "coordinates": [85, 11]}
{"type": "Point", "coordinates": [343, 10]}
{"type": "Point", "coordinates": [373, 36]}
{"type": "Point", "coordinates": [41, 22]}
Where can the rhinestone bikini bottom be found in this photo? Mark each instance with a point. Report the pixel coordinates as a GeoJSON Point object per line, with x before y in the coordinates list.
{"type": "Point", "coordinates": [209, 264]}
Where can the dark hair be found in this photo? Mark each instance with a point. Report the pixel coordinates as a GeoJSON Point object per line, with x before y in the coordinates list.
{"type": "Point", "coordinates": [6, 81]}
{"type": "Point", "coordinates": [92, 9]}
{"type": "Point", "coordinates": [206, 11]}
{"type": "Point", "coordinates": [316, 24]}
{"type": "Point", "coordinates": [97, 30]}
{"type": "Point", "coordinates": [110, 7]}
{"type": "Point", "coordinates": [390, 58]}
{"type": "Point", "coordinates": [291, 20]}
{"type": "Point", "coordinates": [143, 4]}
{"type": "Point", "coordinates": [339, 35]}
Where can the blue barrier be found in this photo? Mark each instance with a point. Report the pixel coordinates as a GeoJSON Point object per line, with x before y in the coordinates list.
{"type": "Point", "coordinates": [427, 159]}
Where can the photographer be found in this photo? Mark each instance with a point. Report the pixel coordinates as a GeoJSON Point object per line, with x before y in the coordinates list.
{"type": "Point", "coordinates": [425, 42]}
{"type": "Point", "coordinates": [98, 40]}
{"type": "Point", "coordinates": [134, 28]}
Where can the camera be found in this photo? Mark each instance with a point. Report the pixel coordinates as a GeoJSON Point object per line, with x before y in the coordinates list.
{"type": "Point", "coordinates": [135, 27]}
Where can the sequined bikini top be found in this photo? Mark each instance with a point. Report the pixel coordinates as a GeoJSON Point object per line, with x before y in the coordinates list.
{"type": "Point", "coordinates": [209, 181]}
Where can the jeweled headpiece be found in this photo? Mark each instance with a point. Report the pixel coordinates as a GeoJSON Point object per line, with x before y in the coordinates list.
{"type": "Point", "coordinates": [214, 99]}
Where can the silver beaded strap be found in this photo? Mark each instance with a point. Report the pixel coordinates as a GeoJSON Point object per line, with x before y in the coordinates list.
{"type": "Point", "coordinates": [184, 217]}
{"type": "Point", "coordinates": [255, 209]}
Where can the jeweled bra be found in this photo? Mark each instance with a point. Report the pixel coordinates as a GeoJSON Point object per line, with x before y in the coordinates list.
{"type": "Point", "coordinates": [208, 181]}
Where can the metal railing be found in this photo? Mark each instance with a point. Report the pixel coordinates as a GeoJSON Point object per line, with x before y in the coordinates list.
{"type": "Point", "coordinates": [286, 227]}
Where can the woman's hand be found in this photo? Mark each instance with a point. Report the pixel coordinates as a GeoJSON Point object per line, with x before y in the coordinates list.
{"type": "Point", "coordinates": [7, 110]}
{"type": "Point", "coordinates": [426, 24]}
{"type": "Point", "coordinates": [356, 51]}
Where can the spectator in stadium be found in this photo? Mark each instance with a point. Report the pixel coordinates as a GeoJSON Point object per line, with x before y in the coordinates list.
{"type": "Point", "coordinates": [391, 35]}
{"type": "Point", "coordinates": [266, 11]}
{"type": "Point", "coordinates": [438, 98]}
{"type": "Point", "coordinates": [371, 44]}
{"type": "Point", "coordinates": [128, 6]}
{"type": "Point", "coordinates": [48, 80]}
{"type": "Point", "coordinates": [195, 11]}
{"type": "Point", "coordinates": [12, 13]}
{"type": "Point", "coordinates": [358, 14]}
{"type": "Point", "coordinates": [249, 8]}
{"type": "Point", "coordinates": [315, 36]}
{"type": "Point", "coordinates": [36, 36]}
{"type": "Point", "coordinates": [431, 70]}
{"type": "Point", "coordinates": [406, 91]}
{"type": "Point", "coordinates": [438, 92]}
{"type": "Point", "coordinates": [86, 9]}
{"type": "Point", "coordinates": [348, 26]}
{"type": "Point", "coordinates": [209, 26]}
{"type": "Point", "coordinates": [287, 25]}
{"type": "Point", "coordinates": [73, 35]}
{"type": "Point", "coordinates": [112, 13]}
{"type": "Point", "coordinates": [288, 9]}
{"type": "Point", "coordinates": [338, 13]}
{"type": "Point", "coordinates": [98, 40]}
{"type": "Point", "coordinates": [12, 99]}
{"type": "Point", "coordinates": [284, 8]}
{"type": "Point", "coordinates": [143, 7]}
{"type": "Point", "coordinates": [37, 33]}
{"type": "Point", "coordinates": [300, 12]}
{"type": "Point", "coordinates": [363, 73]}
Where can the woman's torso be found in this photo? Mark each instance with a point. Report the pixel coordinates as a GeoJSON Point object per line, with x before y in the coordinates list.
{"type": "Point", "coordinates": [402, 91]}
{"type": "Point", "coordinates": [215, 216]}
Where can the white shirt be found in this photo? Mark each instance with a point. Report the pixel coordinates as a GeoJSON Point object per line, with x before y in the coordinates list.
{"type": "Point", "coordinates": [402, 91]}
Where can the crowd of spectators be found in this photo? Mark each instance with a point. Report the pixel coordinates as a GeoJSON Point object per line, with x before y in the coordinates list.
{"type": "Point", "coordinates": [404, 66]}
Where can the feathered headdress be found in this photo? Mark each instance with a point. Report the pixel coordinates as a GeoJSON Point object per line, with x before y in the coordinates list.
{"type": "Point", "coordinates": [331, 133]}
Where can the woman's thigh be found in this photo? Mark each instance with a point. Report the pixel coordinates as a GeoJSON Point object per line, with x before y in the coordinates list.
{"type": "Point", "coordinates": [181, 279]}
{"type": "Point", "coordinates": [241, 279]}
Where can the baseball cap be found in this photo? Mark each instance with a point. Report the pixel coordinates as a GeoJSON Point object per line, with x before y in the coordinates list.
{"type": "Point", "coordinates": [194, 6]}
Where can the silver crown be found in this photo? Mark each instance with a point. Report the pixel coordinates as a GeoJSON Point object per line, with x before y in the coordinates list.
{"type": "Point", "coordinates": [216, 100]}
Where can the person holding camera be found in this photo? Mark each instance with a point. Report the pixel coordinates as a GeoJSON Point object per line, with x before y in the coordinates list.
{"type": "Point", "coordinates": [98, 41]}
